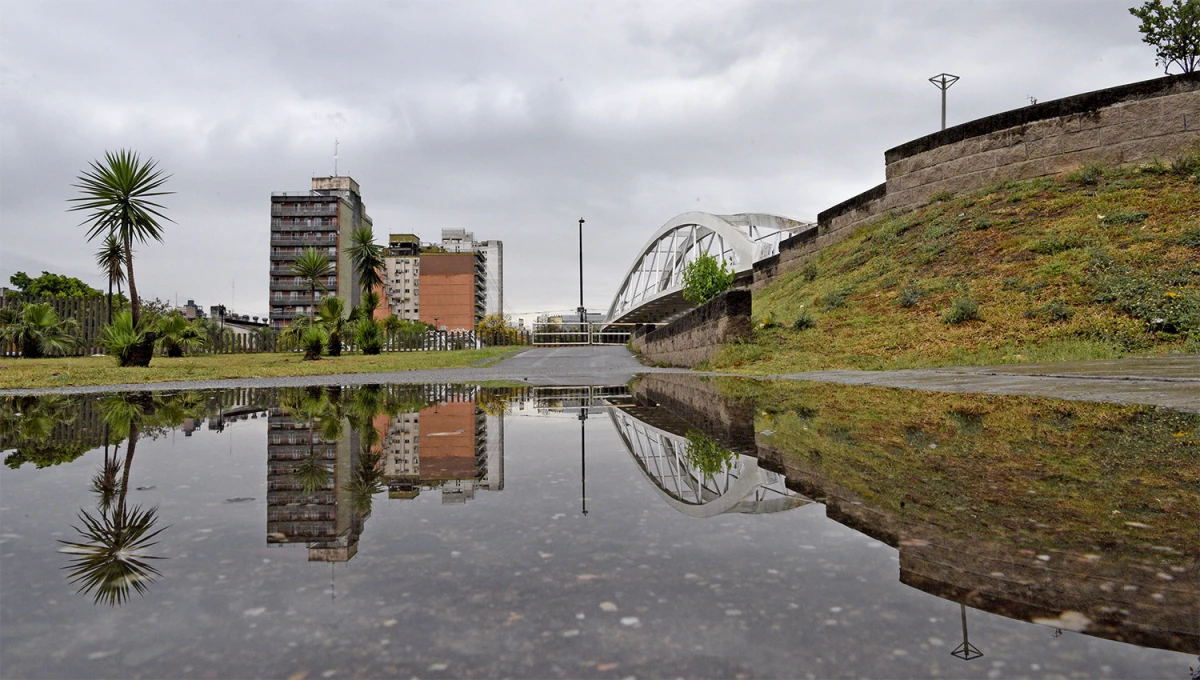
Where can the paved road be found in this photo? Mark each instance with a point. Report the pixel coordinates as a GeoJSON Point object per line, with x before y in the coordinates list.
{"type": "Point", "coordinates": [1172, 381]}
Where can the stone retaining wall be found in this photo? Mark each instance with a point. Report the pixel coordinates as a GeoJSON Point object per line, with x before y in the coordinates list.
{"type": "Point", "coordinates": [1138, 122]}
{"type": "Point", "coordinates": [699, 334]}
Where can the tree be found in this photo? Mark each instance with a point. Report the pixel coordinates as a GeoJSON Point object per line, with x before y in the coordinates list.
{"type": "Point", "coordinates": [366, 257]}
{"type": "Point", "coordinates": [495, 330]}
{"type": "Point", "coordinates": [177, 335]}
{"type": "Point", "coordinates": [38, 332]}
{"type": "Point", "coordinates": [314, 266]}
{"type": "Point", "coordinates": [1173, 31]}
{"type": "Point", "coordinates": [110, 258]}
{"type": "Point", "coordinates": [705, 278]}
{"type": "Point", "coordinates": [118, 196]}
{"type": "Point", "coordinates": [52, 285]}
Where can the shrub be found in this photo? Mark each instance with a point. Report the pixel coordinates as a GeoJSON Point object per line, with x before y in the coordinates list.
{"type": "Point", "coordinates": [961, 310]}
{"type": "Point", "coordinates": [1125, 217]}
{"type": "Point", "coordinates": [368, 335]}
{"type": "Point", "coordinates": [1055, 311]}
{"type": "Point", "coordinates": [835, 299]}
{"type": "Point", "coordinates": [1088, 175]}
{"type": "Point", "coordinates": [705, 278]}
{"type": "Point", "coordinates": [37, 331]}
{"type": "Point", "coordinates": [982, 222]}
{"type": "Point", "coordinates": [1057, 243]}
{"type": "Point", "coordinates": [941, 197]}
{"type": "Point", "coordinates": [312, 340]}
{"type": "Point", "coordinates": [910, 294]}
{"type": "Point", "coordinates": [1187, 165]}
{"type": "Point", "coordinates": [804, 321]}
{"type": "Point", "coordinates": [809, 272]}
{"type": "Point", "coordinates": [177, 335]}
{"type": "Point", "coordinates": [120, 338]}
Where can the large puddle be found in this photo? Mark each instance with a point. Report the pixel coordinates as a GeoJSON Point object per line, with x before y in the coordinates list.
{"type": "Point", "coordinates": [672, 527]}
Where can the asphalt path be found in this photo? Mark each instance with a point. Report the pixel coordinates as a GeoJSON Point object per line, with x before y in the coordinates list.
{"type": "Point", "coordinates": [1172, 381]}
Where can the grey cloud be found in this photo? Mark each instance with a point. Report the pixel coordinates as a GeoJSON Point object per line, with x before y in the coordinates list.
{"type": "Point", "coordinates": [511, 119]}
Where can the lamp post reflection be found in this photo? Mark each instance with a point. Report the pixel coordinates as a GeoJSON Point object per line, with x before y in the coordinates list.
{"type": "Point", "coordinates": [583, 414]}
{"type": "Point", "coordinates": [966, 651]}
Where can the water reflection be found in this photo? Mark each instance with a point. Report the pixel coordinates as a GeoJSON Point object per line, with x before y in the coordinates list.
{"type": "Point", "coordinates": [1078, 517]}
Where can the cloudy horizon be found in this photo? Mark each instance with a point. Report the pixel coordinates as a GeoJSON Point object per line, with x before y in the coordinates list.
{"type": "Point", "coordinates": [512, 120]}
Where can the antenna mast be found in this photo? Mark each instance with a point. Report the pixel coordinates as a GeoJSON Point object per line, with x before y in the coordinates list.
{"type": "Point", "coordinates": [335, 150]}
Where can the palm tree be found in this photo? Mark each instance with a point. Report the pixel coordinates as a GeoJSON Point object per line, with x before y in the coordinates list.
{"type": "Point", "coordinates": [331, 316]}
{"type": "Point", "coordinates": [38, 332]}
{"type": "Point", "coordinates": [177, 335]}
{"type": "Point", "coordinates": [366, 256]}
{"type": "Point", "coordinates": [117, 195]}
{"type": "Point", "coordinates": [314, 266]}
{"type": "Point", "coordinates": [110, 258]}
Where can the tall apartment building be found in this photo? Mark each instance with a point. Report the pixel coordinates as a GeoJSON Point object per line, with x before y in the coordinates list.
{"type": "Point", "coordinates": [402, 269]}
{"type": "Point", "coordinates": [461, 241]}
{"type": "Point", "coordinates": [322, 218]}
{"type": "Point", "coordinates": [448, 447]}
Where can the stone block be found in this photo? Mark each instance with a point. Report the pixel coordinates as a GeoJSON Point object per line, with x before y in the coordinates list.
{"type": "Point", "coordinates": [1043, 147]}
{"type": "Point", "coordinates": [1077, 141]}
{"type": "Point", "coordinates": [1163, 148]}
{"type": "Point", "coordinates": [1144, 108]}
{"type": "Point", "coordinates": [1010, 155]}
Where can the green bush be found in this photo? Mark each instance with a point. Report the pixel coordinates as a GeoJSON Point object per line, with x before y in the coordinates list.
{"type": "Point", "coordinates": [705, 278]}
{"type": "Point", "coordinates": [809, 271]}
{"type": "Point", "coordinates": [804, 321]}
{"type": "Point", "coordinates": [910, 294]}
{"type": "Point", "coordinates": [835, 299]}
{"type": "Point", "coordinates": [941, 197]}
{"type": "Point", "coordinates": [1088, 175]}
{"type": "Point", "coordinates": [312, 341]}
{"type": "Point", "coordinates": [1057, 243]}
{"type": "Point", "coordinates": [1055, 311]}
{"type": "Point", "coordinates": [120, 338]}
{"type": "Point", "coordinates": [961, 310]}
{"type": "Point", "coordinates": [368, 335]}
{"type": "Point", "coordinates": [1187, 165]}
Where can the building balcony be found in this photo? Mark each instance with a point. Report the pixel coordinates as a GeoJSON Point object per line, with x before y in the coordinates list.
{"type": "Point", "coordinates": [303, 241]}
{"type": "Point", "coordinates": [315, 209]}
{"type": "Point", "coordinates": [293, 255]}
{"type": "Point", "coordinates": [302, 285]}
{"type": "Point", "coordinates": [285, 228]}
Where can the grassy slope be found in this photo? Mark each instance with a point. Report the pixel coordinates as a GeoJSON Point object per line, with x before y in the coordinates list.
{"type": "Point", "coordinates": [1115, 249]}
{"type": "Point", "coordinates": [62, 372]}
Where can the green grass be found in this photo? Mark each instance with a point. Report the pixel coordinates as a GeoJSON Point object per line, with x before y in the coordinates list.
{"type": "Point", "coordinates": [84, 371]}
{"type": "Point", "coordinates": [1099, 264]}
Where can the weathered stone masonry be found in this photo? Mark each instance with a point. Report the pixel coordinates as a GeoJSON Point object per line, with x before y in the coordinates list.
{"type": "Point", "coordinates": [699, 334]}
{"type": "Point", "coordinates": [1139, 122]}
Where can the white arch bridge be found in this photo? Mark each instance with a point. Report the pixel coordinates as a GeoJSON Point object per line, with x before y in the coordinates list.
{"type": "Point", "coordinates": [652, 290]}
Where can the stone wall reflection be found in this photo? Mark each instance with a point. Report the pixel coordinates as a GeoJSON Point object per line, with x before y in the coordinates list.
{"type": "Point", "coordinates": [1142, 588]}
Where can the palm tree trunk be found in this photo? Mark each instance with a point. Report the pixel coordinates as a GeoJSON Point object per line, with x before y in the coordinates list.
{"type": "Point", "coordinates": [312, 302]}
{"type": "Point", "coordinates": [110, 299]}
{"type": "Point", "coordinates": [133, 437]}
{"type": "Point", "coordinates": [134, 304]}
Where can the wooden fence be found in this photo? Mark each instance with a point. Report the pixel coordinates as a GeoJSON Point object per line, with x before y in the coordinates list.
{"type": "Point", "coordinates": [90, 313]}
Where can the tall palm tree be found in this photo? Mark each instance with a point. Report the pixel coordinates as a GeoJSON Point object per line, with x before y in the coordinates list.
{"type": "Point", "coordinates": [314, 266]}
{"type": "Point", "coordinates": [37, 332]}
{"type": "Point", "coordinates": [110, 258]}
{"type": "Point", "coordinates": [366, 257]}
{"type": "Point", "coordinates": [117, 195]}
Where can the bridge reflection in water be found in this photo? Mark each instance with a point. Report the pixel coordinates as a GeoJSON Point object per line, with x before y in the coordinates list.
{"type": "Point", "coordinates": [658, 441]}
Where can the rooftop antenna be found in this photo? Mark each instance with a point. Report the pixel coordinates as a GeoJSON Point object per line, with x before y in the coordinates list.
{"type": "Point", "coordinates": [335, 150]}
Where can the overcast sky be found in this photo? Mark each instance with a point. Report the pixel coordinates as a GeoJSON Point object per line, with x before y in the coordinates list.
{"type": "Point", "coordinates": [510, 119]}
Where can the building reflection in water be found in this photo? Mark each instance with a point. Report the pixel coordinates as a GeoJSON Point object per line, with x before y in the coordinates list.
{"type": "Point", "coordinates": [408, 439]}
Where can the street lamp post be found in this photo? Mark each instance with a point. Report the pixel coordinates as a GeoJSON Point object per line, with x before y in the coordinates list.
{"type": "Point", "coordinates": [581, 310]}
{"type": "Point", "coordinates": [943, 81]}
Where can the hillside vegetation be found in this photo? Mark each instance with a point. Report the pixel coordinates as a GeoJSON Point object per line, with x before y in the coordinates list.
{"type": "Point", "coordinates": [1097, 264]}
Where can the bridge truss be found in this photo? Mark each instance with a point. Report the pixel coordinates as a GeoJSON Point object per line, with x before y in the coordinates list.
{"type": "Point", "coordinates": [652, 290]}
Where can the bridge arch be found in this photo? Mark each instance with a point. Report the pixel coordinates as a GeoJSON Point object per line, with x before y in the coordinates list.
{"type": "Point", "coordinates": [652, 289]}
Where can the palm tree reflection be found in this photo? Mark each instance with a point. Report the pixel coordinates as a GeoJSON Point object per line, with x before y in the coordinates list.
{"type": "Point", "coordinates": [110, 559]}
